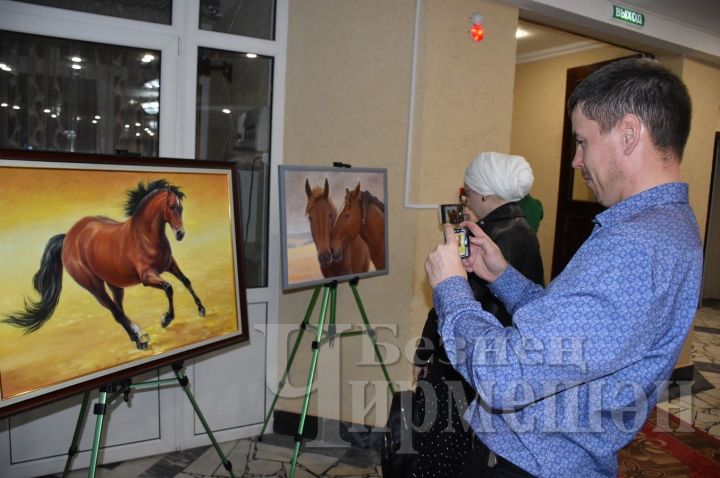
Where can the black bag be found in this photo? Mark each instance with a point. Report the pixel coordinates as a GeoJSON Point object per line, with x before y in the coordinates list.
{"type": "Point", "coordinates": [398, 452]}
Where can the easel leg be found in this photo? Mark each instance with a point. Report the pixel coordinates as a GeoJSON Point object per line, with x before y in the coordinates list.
{"type": "Point", "coordinates": [371, 333]}
{"type": "Point", "coordinates": [331, 326]}
{"type": "Point", "coordinates": [281, 384]}
{"type": "Point", "coordinates": [76, 436]}
{"type": "Point", "coordinates": [185, 383]}
{"type": "Point", "coordinates": [99, 410]}
{"type": "Point", "coordinates": [311, 376]}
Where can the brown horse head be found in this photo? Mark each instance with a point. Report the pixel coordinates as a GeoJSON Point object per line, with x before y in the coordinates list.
{"type": "Point", "coordinates": [321, 213]}
{"type": "Point", "coordinates": [156, 201]}
{"type": "Point", "coordinates": [347, 225]}
{"type": "Point", "coordinates": [172, 213]}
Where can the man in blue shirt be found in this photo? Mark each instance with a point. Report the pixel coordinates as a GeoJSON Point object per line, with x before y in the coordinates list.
{"type": "Point", "coordinates": [570, 383]}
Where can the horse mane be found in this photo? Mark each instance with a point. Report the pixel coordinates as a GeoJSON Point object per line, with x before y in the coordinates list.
{"type": "Point", "coordinates": [134, 197]}
{"type": "Point", "coordinates": [367, 199]}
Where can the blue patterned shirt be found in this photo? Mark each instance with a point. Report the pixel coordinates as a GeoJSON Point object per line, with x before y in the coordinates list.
{"type": "Point", "coordinates": [573, 380]}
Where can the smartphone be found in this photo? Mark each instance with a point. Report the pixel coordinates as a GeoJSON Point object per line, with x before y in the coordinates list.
{"type": "Point", "coordinates": [463, 240]}
{"type": "Point", "coordinates": [451, 213]}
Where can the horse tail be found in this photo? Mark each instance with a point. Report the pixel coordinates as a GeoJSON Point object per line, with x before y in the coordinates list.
{"type": "Point", "coordinates": [48, 282]}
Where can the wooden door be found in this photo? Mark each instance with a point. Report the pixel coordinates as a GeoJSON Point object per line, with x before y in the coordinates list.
{"type": "Point", "coordinates": [576, 204]}
{"type": "Point", "coordinates": [711, 270]}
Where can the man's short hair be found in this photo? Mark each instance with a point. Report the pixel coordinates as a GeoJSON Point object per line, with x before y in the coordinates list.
{"type": "Point", "coordinates": [639, 86]}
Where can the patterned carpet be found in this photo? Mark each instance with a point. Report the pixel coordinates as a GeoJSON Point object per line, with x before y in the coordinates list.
{"type": "Point", "coordinates": [660, 451]}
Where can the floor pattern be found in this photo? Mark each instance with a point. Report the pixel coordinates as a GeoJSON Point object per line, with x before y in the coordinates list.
{"type": "Point", "coordinates": [272, 456]}
{"type": "Point", "coordinates": [249, 458]}
{"type": "Point", "coordinates": [702, 409]}
{"type": "Point", "coordinates": [664, 449]}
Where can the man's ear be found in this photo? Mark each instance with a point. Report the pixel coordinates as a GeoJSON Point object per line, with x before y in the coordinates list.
{"type": "Point", "coordinates": [630, 128]}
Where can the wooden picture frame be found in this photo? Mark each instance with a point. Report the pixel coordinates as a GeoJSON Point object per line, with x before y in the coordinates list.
{"type": "Point", "coordinates": [333, 224]}
{"type": "Point", "coordinates": [88, 241]}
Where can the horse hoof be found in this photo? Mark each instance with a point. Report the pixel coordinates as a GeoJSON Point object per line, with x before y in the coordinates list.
{"type": "Point", "coordinates": [201, 311]}
{"type": "Point", "coordinates": [143, 341]}
{"type": "Point", "coordinates": [166, 319]}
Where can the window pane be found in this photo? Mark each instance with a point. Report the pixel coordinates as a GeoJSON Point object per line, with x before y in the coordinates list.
{"type": "Point", "coordinates": [66, 95]}
{"type": "Point", "coordinates": [156, 11]}
{"type": "Point", "coordinates": [234, 95]}
{"type": "Point", "coordinates": [254, 18]}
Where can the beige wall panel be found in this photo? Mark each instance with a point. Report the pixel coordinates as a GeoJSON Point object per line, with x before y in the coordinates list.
{"type": "Point", "coordinates": [348, 93]}
{"type": "Point", "coordinates": [463, 106]}
{"type": "Point", "coordinates": [703, 82]}
{"type": "Point", "coordinates": [347, 100]}
{"type": "Point", "coordinates": [538, 114]}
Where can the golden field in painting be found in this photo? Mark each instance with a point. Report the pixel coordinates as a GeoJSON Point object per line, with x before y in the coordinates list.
{"type": "Point", "coordinates": [303, 264]}
{"type": "Point", "coordinates": [81, 337]}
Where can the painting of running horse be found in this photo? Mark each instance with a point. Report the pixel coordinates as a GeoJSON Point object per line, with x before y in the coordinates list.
{"type": "Point", "coordinates": [113, 267]}
{"type": "Point", "coordinates": [101, 253]}
{"type": "Point", "coordinates": [362, 216]}
{"type": "Point", "coordinates": [309, 220]}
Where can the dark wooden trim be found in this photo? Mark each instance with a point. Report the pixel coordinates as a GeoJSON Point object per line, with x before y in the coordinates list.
{"type": "Point", "coordinates": [169, 357]}
{"type": "Point", "coordinates": [566, 206]}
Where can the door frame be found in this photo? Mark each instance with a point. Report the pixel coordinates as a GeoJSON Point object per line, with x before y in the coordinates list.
{"type": "Point", "coordinates": [712, 243]}
{"type": "Point", "coordinates": [572, 212]}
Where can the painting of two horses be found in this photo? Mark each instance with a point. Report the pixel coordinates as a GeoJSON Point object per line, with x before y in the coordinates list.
{"type": "Point", "coordinates": [109, 266]}
{"type": "Point", "coordinates": [333, 224]}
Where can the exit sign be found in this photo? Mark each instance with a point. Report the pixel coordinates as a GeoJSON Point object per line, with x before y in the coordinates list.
{"type": "Point", "coordinates": [628, 16]}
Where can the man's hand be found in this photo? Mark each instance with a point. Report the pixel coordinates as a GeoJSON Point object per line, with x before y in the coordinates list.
{"type": "Point", "coordinates": [485, 260]}
{"type": "Point", "coordinates": [444, 261]}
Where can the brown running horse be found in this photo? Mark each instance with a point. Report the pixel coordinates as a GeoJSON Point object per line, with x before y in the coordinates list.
{"type": "Point", "coordinates": [321, 214]}
{"type": "Point", "coordinates": [362, 214]}
{"type": "Point", "coordinates": [98, 251]}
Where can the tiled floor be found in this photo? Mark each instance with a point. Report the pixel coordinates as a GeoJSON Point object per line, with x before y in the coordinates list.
{"type": "Point", "coordinates": [249, 458]}
{"type": "Point", "coordinates": [703, 409]}
{"type": "Point", "coordinates": [272, 456]}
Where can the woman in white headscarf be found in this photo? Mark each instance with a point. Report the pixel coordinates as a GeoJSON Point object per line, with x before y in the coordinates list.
{"type": "Point", "coordinates": [494, 183]}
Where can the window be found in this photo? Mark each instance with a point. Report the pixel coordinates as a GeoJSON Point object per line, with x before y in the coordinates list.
{"type": "Point", "coordinates": [118, 76]}
{"type": "Point", "coordinates": [66, 95]}
{"type": "Point", "coordinates": [252, 19]}
{"type": "Point", "coordinates": [156, 11]}
{"type": "Point", "coordinates": [233, 123]}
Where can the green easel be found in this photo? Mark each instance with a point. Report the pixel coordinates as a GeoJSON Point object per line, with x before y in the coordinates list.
{"type": "Point", "coordinates": [123, 388]}
{"type": "Point", "coordinates": [329, 295]}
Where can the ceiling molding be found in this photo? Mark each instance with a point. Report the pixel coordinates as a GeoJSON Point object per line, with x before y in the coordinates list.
{"type": "Point", "coordinates": [558, 51]}
{"type": "Point", "coordinates": [660, 35]}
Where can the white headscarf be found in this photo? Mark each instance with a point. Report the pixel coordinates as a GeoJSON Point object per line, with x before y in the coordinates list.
{"type": "Point", "coordinates": [504, 175]}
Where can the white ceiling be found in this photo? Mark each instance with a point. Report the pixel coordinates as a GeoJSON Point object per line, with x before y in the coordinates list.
{"type": "Point", "coordinates": [544, 40]}
{"type": "Point", "coordinates": [699, 14]}
{"type": "Point", "coordinates": [703, 14]}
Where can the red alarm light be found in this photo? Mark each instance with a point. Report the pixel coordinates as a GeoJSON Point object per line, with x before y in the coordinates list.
{"type": "Point", "coordinates": [477, 32]}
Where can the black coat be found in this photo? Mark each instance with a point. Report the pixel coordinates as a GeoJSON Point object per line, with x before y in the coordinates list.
{"type": "Point", "coordinates": [507, 227]}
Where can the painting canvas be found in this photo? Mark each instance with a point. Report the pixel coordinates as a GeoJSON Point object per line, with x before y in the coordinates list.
{"type": "Point", "coordinates": [112, 266]}
{"type": "Point", "coordinates": [333, 224]}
